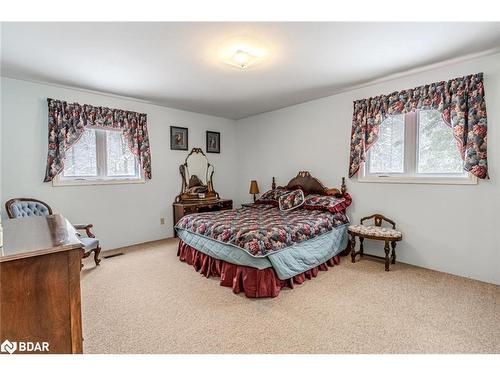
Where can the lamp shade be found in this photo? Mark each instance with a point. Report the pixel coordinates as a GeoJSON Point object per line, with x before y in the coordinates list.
{"type": "Point", "coordinates": [254, 188]}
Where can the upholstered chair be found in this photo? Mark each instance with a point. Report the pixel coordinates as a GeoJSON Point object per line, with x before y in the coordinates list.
{"type": "Point", "coordinates": [25, 207]}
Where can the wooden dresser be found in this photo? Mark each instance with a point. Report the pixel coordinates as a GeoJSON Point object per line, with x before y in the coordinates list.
{"type": "Point", "coordinates": [40, 285]}
{"type": "Point", "coordinates": [185, 208]}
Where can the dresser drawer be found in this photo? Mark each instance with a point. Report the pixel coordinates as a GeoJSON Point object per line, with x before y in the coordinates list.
{"type": "Point", "coordinates": [183, 209]}
{"type": "Point", "coordinates": [189, 210]}
{"type": "Point", "coordinates": [227, 205]}
{"type": "Point", "coordinates": [217, 206]}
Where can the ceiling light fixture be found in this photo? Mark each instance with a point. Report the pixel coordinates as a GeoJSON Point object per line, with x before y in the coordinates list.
{"type": "Point", "coordinates": [241, 59]}
{"type": "Point", "coordinates": [241, 54]}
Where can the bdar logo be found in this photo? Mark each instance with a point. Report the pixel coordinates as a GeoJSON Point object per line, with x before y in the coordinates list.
{"type": "Point", "coordinates": [24, 346]}
{"type": "Point", "coordinates": [8, 347]}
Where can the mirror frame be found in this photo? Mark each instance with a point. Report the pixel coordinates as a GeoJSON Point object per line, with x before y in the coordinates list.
{"type": "Point", "coordinates": [211, 194]}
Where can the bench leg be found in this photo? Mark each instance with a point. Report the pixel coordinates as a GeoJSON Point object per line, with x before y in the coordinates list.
{"type": "Point", "coordinates": [353, 249]}
{"type": "Point", "coordinates": [361, 249]}
{"type": "Point", "coordinates": [387, 260]}
{"type": "Point", "coordinates": [393, 261]}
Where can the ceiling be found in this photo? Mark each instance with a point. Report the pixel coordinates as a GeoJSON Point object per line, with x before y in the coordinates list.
{"type": "Point", "coordinates": [176, 64]}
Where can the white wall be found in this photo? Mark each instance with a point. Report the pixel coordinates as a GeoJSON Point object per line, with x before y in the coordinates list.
{"type": "Point", "coordinates": [451, 228]}
{"type": "Point", "coordinates": [122, 214]}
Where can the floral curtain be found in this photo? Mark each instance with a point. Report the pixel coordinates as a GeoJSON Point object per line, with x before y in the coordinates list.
{"type": "Point", "coordinates": [67, 122]}
{"type": "Point", "coordinates": [461, 102]}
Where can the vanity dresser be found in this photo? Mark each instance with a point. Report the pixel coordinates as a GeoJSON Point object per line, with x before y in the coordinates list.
{"type": "Point", "coordinates": [186, 208]}
{"type": "Point", "coordinates": [197, 192]}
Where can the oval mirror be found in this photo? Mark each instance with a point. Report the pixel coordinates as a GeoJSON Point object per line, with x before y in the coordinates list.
{"type": "Point", "coordinates": [196, 173]}
{"type": "Point", "coordinates": [197, 168]}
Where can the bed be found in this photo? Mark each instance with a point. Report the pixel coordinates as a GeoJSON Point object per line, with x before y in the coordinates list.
{"type": "Point", "coordinates": [262, 248]}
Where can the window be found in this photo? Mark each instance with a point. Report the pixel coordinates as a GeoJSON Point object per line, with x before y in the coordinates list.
{"type": "Point", "coordinates": [99, 157]}
{"type": "Point", "coordinates": [81, 159]}
{"type": "Point", "coordinates": [388, 152]}
{"type": "Point", "coordinates": [417, 147]}
{"type": "Point", "coordinates": [437, 148]}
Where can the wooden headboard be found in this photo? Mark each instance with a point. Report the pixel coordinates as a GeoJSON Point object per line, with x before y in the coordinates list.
{"type": "Point", "coordinates": [311, 185]}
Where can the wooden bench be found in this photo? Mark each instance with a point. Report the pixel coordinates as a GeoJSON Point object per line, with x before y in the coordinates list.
{"type": "Point", "coordinates": [378, 233]}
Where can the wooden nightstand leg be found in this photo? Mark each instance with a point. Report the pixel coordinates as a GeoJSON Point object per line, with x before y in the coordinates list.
{"type": "Point", "coordinates": [386, 249]}
{"type": "Point", "coordinates": [393, 243]}
{"type": "Point", "coordinates": [361, 249]}
{"type": "Point", "coordinates": [353, 248]}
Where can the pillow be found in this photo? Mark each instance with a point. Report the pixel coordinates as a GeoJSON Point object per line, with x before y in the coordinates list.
{"type": "Point", "coordinates": [291, 200]}
{"type": "Point", "coordinates": [272, 196]}
{"type": "Point", "coordinates": [327, 202]}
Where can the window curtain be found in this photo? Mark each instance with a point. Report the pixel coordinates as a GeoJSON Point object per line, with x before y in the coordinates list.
{"type": "Point", "coordinates": [461, 102]}
{"type": "Point", "coordinates": [67, 122]}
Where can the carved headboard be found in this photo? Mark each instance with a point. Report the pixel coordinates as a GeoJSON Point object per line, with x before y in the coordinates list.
{"type": "Point", "coordinates": [311, 185]}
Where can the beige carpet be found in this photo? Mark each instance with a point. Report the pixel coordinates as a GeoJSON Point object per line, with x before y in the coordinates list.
{"type": "Point", "coordinates": [147, 301]}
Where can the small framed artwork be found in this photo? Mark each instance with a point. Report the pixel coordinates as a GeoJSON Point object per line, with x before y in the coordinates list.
{"type": "Point", "coordinates": [213, 142]}
{"type": "Point", "coordinates": [178, 138]}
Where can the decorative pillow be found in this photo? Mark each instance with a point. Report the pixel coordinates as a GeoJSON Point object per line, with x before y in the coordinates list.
{"type": "Point", "coordinates": [291, 200]}
{"type": "Point", "coordinates": [327, 202]}
{"type": "Point", "coordinates": [272, 196]}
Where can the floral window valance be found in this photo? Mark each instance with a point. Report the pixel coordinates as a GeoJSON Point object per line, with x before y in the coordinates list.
{"type": "Point", "coordinates": [67, 122]}
{"type": "Point", "coordinates": [461, 102]}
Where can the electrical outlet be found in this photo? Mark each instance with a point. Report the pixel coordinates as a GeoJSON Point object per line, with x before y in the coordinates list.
{"type": "Point", "coordinates": [162, 220]}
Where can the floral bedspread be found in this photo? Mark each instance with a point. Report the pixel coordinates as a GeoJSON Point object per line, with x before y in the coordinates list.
{"type": "Point", "coordinates": [262, 229]}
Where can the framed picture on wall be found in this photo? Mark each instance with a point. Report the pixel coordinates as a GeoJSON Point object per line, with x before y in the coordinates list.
{"type": "Point", "coordinates": [213, 142]}
{"type": "Point", "coordinates": [178, 138]}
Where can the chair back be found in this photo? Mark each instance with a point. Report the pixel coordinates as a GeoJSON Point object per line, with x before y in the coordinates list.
{"type": "Point", "coordinates": [377, 218]}
{"type": "Point", "coordinates": [25, 207]}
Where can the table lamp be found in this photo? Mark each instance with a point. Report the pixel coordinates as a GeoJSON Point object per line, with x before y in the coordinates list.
{"type": "Point", "coordinates": [254, 188]}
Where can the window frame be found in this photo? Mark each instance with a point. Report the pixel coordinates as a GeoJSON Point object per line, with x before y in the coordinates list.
{"type": "Point", "coordinates": [410, 175]}
{"type": "Point", "coordinates": [101, 160]}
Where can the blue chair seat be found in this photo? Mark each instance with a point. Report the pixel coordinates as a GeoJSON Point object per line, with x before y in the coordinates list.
{"type": "Point", "coordinates": [89, 243]}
